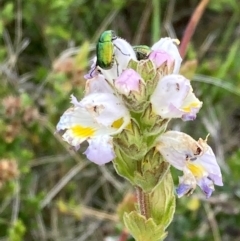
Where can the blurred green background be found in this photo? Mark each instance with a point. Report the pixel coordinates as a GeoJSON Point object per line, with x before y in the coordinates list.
{"type": "Point", "coordinates": [45, 48]}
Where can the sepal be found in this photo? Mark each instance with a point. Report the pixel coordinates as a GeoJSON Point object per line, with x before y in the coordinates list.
{"type": "Point", "coordinates": [163, 201]}
{"type": "Point", "coordinates": [151, 171]}
{"type": "Point", "coordinates": [124, 165]}
{"type": "Point", "coordinates": [131, 141]}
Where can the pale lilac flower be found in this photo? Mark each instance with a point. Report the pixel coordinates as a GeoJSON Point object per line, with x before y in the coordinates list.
{"type": "Point", "coordinates": [100, 150]}
{"type": "Point", "coordinates": [195, 158]}
{"type": "Point", "coordinates": [128, 81]}
{"type": "Point", "coordinates": [168, 45]}
{"type": "Point", "coordinates": [173, 98]}
{"type": "Point", "coordinates": [97, 116]}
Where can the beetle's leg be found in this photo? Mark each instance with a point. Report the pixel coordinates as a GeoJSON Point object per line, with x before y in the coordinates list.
{"type": "Point", "coordinates": [121, 50]}
{"type": "Point", "coordinates": [117, 66]}
{"type": "Point", "coordinates": [93, 71]}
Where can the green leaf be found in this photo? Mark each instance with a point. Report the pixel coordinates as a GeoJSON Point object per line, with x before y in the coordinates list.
{"type": "Point", "coordinates": [163, 201]}
{"type": "Point", "coordinates": [142, 229]}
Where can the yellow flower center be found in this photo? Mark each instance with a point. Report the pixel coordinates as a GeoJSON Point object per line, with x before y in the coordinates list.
{"type": "Point", "coordinates": [81, 131]}
{"type": "Point", "coordinates": [196, 169]}
{"type": "Point", "coordinates": [190, 106]}
{"type": "Point", "coordinates": [117, 123]}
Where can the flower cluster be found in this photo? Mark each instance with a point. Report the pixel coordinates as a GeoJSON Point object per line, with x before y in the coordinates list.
{"type": "Point", "coordinates": [129, 105]}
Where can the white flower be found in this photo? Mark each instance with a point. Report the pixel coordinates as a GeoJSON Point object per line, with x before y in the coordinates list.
{"type": "Point", "coordinates": [95, 118]}
{"type": "Point", "coordinates": [173, 98]}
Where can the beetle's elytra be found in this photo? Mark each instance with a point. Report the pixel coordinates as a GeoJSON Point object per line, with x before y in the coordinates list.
{"type": "Point", "coordinates": [105, 49]}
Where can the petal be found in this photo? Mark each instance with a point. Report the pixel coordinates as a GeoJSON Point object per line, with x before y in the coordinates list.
{"type": "Point", "coordinates": [79, 125]}
{"type": "Point", "coordinates": [187, 183]}
{"type": "Point", "coordinates": [173, 98]}
{"type": "Point", "coordinates": [177, 148]}
{"type": "Point", "coordinates": [100, 150]}
{"type": "Point", "coordinates": [183, 189]}
{"type": "Point", "coordinates": [73, 116]}
{"type": "Point", "coordinates": [123, 52]}
{"type": "Point", "coordinates": [206, 185]}
{"type": "Point", "coordinates": [209, 162]}
{"type": "Point", "coordinates": [168, 45]}
{"type": "Point", "coordinates": [160, 56]}
{"type": "Point", "coordinates": [106, 108]}
{"type": "Point", "coordinates": [97, 84]}
{"type": "Point", "coordinates": [74, 101]}
{"type": "Point", "coordinates": [191, 106]}
{"type": "Point", "coordinates": [93, 72]}
{"type": "Point", "coordinates": [128, 81]}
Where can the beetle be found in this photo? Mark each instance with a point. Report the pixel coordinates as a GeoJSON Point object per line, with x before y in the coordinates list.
{"type": "Point", "coordinates": [105, 49]}
{"type": "Point", "coordinates": [141, 51]}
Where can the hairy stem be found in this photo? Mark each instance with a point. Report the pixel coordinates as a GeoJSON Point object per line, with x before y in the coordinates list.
{"type": "Point", "coordinates": [143, 202]}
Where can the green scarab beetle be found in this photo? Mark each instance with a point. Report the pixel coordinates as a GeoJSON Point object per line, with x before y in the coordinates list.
{"type": "Point", "coordinates": [105, 49]}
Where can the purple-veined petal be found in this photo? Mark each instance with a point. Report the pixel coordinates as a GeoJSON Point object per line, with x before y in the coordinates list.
{"type": "Point", "coordinates": [100, 150]}
{"type": "Point", "coordinates": [128, 81]}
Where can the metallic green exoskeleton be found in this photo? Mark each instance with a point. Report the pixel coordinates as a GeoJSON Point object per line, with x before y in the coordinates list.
{"type": "Point", "coordinates": [141, 51]}
{"type": "Point", "coordinates": [105, 49]}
